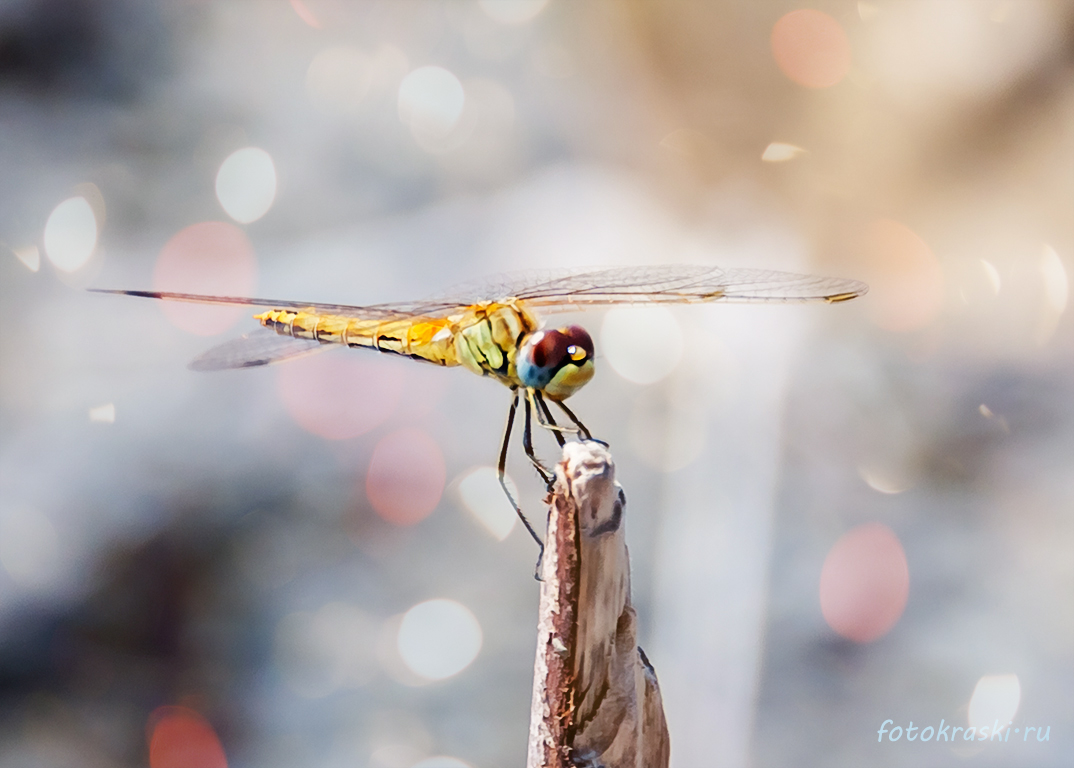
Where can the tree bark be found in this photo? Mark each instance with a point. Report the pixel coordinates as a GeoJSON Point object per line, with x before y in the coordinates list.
{"type": "Point", "coordinates": [596, 701]}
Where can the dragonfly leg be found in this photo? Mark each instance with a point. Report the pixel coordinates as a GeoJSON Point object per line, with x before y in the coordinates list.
{"type": "Point", "coordinates": [572, 417]}
{"type": "Point", "coordinates": [544, 417]}
{"type": "Point", "coordinates": [501, 474]}
{"type": "Point", "coordinates": [527, 444]}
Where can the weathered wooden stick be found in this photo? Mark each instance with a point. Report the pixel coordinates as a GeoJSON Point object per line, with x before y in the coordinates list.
{"type": "Point", "coordinates": [596, 701]}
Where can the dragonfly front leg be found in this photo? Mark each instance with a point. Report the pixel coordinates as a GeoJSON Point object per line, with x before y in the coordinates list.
{"type": "Point", "coordinates": [544, 417]}
{"type": "Point", "coordinates": [501, 474]}
{"type": "Point", "coordinates": [527, 444]}
{"type": "Point", "coordinates": [579, 428]}
{"type": "Point", "coordinates": [572, 417]}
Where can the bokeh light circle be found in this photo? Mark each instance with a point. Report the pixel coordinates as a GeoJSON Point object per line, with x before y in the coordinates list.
{"type": "Point", "coordinates": [481, 493]}
{"type": "Point", "coordinates": [811, 48]}
{"type": "Point", "coordinates": [1056, 283]}
{"type": "Point", "coordinates": [340, 394]}
{"type": "Point", "coordinates": [778, 152]}
{"type": "Point", "coordinates": [439, 638]}
{"type": "Point", "coordinates": [211, 257]}
{"type": "Point", "coordinates": [642, 344]}
{"type": "Point", "coordinates": [406, 476]}
{"type": "Point", "coordinates": [906, 283]}
{"type": "Point", "coordinates": [179, 737]}
{"type": "Point", "coordinates": [339, 78]}
{"type": "Point", "coordinates": [431, 101]}
{"type": "Point", "coordinates": [70, 234]}
{"type": "Point", "coordinates": [246, 184]}
{"type": "Point", "coordinates": [865, 583]}
{"type": "Point", "coordinates": [995, 697]}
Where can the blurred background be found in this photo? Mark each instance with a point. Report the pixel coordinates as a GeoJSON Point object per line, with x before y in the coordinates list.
{"type": "Point", "coordinates": [838, 515]}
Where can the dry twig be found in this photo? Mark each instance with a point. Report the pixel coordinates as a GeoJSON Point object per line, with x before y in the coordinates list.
{"type": "Point", "coordinates": [596, 701]}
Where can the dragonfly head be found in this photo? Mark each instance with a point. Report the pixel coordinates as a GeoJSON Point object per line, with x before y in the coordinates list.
{"type": "Point", "coordinates": [558, 363]}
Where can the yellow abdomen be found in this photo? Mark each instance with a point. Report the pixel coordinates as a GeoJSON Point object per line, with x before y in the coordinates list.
{"type": "Point", "coordinates": [483, 337]}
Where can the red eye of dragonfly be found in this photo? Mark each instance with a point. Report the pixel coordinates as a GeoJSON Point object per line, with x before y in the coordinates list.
{"type": "Point", "coordinates": [545, 354]}
{"type": "Point", "coordinates": [580, 345]}
{"type": "Point", "coordinates": [548, 350]}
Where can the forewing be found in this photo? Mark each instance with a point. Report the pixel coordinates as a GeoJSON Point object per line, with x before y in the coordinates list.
{"type": "Point", "coordinates": [260, 347]}
{"type": "Point", "coordinates": [577, 288]}
{"type": "Point", "coordinates": [372, 312]}
{"type": "Point", "coordinates": [675, 284]}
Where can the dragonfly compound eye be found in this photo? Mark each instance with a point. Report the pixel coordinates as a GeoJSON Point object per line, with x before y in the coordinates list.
{"type": "Point", "coordinates": [557, 362]}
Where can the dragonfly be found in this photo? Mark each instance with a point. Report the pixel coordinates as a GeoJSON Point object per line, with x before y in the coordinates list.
{"type": "Point", "coordinates": [493, 329]}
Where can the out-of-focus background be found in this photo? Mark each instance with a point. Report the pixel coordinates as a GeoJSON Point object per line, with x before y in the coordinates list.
{"type": "Point", "coordinates": [842, 518]}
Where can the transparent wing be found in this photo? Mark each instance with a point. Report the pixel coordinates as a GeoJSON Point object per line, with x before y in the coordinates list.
{"type": "Point", "coordinates": [565, 289]}
{"type": "Point", "coordinates": [260, 347]}
{"type": "Point", "coordinates": [677, 283]}
{"type": "Point", "coordinates": [372, 312]}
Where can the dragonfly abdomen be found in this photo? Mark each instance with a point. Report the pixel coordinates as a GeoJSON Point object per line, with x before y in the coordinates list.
{"type": "Point", "coordinates": [412, 338]}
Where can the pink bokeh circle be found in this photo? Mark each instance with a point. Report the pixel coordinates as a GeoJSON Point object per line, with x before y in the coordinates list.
{"type": "Point", "coordinates": [211, 257]}
{"type": "Point", "coordinates": [339, 394]}
{"type": "Point", "coordinates": [865, 583]}
{"type": "Point", "coordinates": [406, 476]}
{"type": "Point", "coordinates": [811, 48]}
{"type": "Point", "coordinates": [179, 737]}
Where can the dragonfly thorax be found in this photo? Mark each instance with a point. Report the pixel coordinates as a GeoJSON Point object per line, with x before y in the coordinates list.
{"type": "Point", "coordinates": [556, 362]}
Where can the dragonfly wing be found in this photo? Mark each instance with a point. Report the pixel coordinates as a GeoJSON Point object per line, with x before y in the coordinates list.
{"type": "Point", "coordinates": [373, 312]}
{"type": "Point", "coordinates": [575, 288]}
{"type": "Point", "coordinates": [258, 348]}
{"type": "Point", "coordinates": [687, 283]}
